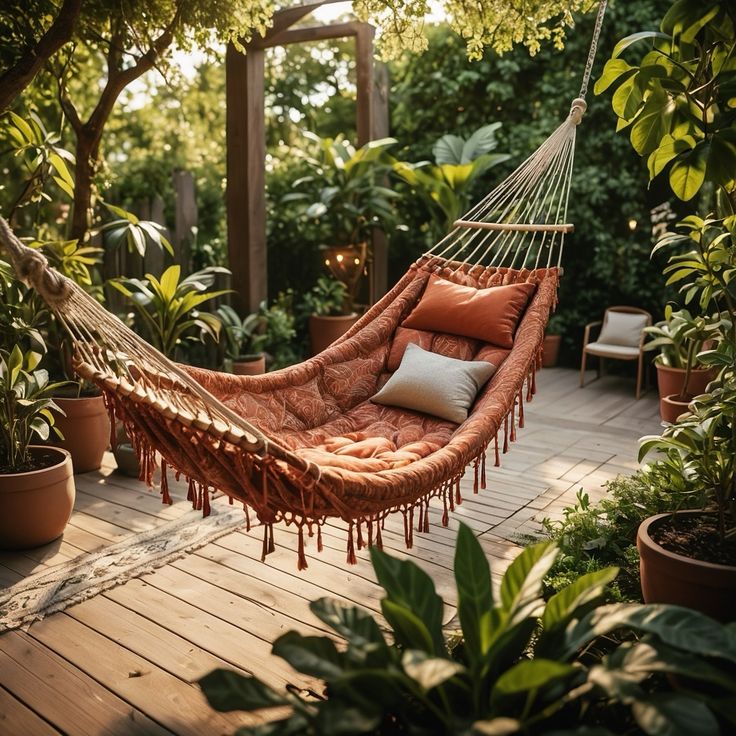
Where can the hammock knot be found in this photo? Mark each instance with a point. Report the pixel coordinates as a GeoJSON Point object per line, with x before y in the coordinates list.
{"type": "Point", "coordinates": [577, 110]}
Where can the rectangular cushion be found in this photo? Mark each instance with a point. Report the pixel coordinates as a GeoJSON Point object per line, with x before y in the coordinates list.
{"type": "Point", "coordinates": [434, 384]}
{"type": "Point", "coordinates": [623, 328]}
{"type": "Point", "coordinates": [488, 314]}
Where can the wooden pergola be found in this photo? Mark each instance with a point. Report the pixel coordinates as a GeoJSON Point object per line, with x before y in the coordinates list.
{"type": "Point", "coordinates": [246, 142]}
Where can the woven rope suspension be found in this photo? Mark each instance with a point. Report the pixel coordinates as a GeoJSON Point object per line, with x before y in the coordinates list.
{"type": "Point", "coordinates": [189, 421]}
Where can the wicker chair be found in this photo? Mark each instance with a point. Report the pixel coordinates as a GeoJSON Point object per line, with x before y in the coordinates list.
{"type": "Point", "coordinates": [621, 338]}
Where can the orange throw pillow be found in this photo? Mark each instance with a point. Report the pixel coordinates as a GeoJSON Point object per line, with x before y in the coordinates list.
{"type": "Point", "coordinates": [488, 314]}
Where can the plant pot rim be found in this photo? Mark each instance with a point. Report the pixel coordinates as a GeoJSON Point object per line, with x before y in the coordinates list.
{"type": "Point", "coordinates": [249, 358]}
{"type": "Point", "coordinates": [703, 568]}
{"type": "Point", "coordinates": [64, 455]}
{"type": "Point", "coordinates": [335, 317]}
{"type": "Point", "coordinates": [694, 369]}
{"type": "Point", "coordinates": [93, 397]}
{"type": "Point", "coordinates": [674, 399]}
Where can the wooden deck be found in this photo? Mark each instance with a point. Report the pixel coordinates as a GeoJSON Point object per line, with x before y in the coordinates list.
{"type": "Point", "coordinates": [124, 661]}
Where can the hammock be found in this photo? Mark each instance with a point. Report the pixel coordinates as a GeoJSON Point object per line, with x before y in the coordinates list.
{"type": "Point", "coordinates": [305, 443]}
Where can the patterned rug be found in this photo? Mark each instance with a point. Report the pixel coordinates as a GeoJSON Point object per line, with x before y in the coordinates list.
{"type": "Point", "coordinates": [89, 574]}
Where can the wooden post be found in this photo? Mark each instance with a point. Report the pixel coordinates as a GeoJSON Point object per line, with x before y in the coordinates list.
{"type": "Point", "coordinates": [185, 216]}
{"type": "Point", "coordinates": [246, 180]}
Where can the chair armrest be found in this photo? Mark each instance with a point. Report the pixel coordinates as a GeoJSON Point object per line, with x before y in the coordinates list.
{"type": "Point", "coordinates": [588, 328]}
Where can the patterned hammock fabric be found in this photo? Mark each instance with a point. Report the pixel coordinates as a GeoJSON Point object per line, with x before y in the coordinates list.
{"type": "Point", "coordinates": [330, 451]}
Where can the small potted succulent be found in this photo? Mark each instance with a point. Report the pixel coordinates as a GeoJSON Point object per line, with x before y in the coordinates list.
{"type": "Point", "coordinates": [329, 318]}
{"type": "Point", "coordinates": [36, 481]}
{"type": "Point", "coordinates": [689, 557]}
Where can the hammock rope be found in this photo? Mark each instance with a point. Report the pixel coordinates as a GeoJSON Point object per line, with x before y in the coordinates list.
{"type": "Point", "coordinates": [184, 416]}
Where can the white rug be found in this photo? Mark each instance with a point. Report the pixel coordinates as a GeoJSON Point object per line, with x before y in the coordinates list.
{"type": "Point", "coordinates": [89, 574]}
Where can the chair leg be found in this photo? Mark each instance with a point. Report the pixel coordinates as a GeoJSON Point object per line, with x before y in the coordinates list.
{"type": "Point", "coordinates": [582, 368]}
{"type": "Point", "coordinates": [638, 376]}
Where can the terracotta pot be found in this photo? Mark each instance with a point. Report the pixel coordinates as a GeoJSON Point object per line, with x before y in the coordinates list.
{"type": "Point", "coordinates": [550, 350]}
{"type": "Point", "coordinates": [250, 365]}
{"type": "Point", "coordinates": [86, 430]}
{"type": "Point", "coordinates": [672, 380]}
{"type": "Point", "coordinates": [667, 577]}
{"type": "Point", "coordinates": [670, 407]}
{"type": "Point", "coordinates": [37, 504]}
{"type": "Point", "coordinates": [323, 331]}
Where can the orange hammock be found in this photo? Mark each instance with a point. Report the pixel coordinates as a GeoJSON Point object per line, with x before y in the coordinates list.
{"type": "Point", "coordinates": [306, 443]}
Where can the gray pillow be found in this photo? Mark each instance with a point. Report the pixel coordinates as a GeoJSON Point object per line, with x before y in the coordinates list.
{"type": "Point", "coordinates": [434, 384]}
{"type": "Point", "coordinates": [623, 328]}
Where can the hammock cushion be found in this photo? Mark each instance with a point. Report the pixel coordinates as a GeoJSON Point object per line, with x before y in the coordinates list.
{"type": "Point", "coordinates": [490, 315]}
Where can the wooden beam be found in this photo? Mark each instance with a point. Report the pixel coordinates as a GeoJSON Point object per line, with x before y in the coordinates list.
{"type": "Point", "coordinates": [308, 34]}
{"type": "Point", "coordinates": [246, 180]}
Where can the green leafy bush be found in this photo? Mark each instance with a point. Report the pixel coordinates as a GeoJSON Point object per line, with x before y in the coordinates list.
{"type": "Point", "coordinates": [519, 665]}
{"type": "Point", "coordinates": [593, 536]}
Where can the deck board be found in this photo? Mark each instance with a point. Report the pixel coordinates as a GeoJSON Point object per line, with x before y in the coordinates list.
{"type": "Point", "coordinates": [127, 660]}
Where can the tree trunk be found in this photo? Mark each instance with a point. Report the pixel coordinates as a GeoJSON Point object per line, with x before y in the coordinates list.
{"type": "Point", "coordinates": [86, 161]}
{"type": "Point", "coordinates": [15, 79]}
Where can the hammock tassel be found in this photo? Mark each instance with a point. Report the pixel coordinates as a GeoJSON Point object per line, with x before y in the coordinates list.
{"type": "Point", "coordinates": [505, 434]}
{"type": "Point", "coordinates": [498, 455]}
{"type": "Point", "coordinates": [320, 546]}
{"type": "Point", "coordinates": [513, 421]}
{"type": "Point", "coordinates": [268, 545]}
{"type": "Point", "coordinates": [379, 538]}
{"type": "Point", "coordinates": [352, 559]}
{"type": "Point", "coordinates": [302, 561]}
{"type": "Point", "coordinates": [445, 515]}
{"type": "Point", "coordinates": [165, 495]}
{"type": "Point", "coordinates": [425, 528]}
{"type": "Point", "coordinates": [206, 509]}
{"type": "Point", "coordinates": [521, 408]}
{"type": "Point", "coordinates": [358, 525]}
{"type": "Point", "coordinates": [483, 466]}
{"type": "Point", "coordinates": [192, 493]}
{"type": "Point", "coordinates": [458, 496]}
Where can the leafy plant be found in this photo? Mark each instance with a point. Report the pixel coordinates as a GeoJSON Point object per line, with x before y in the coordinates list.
{"type": "Point", "coordinates": [137, 234]}
{"type": "Point", "coordinates": [326, 298]}
{"type": "Point", "coordinates": [26, 407]}
{"type": "Point", "coordinates": [446, 186]}
{"type": "Point", "coordinates": [344, 193]}
{"type": "Point", "coordinates": [169, 307]}
{"type": "Point", "coordinates": [680, 338]}
{"type": "Point", "coordinates": [241, 338]}
{"type": "Point", "coordinates": [520, 665]}
{"type": "Point", "coordinates": [592, 536]}
{"type": "Point", "coordinates": [701, 446]}
{"type": "Point", "coordinates": [677, 103]}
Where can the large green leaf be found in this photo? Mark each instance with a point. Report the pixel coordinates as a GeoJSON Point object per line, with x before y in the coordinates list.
{"type": "Point", "coordinates": [624, 43]}
{"type": "Point", "coordinates": [336, 718]}
{"type": "Point", "coordinates": [226, 690]}
{"type": "Point", "coordinates": [356, 625]}
{"type": "Point", "coordinates": [653, 122]}
{"type": "Point", "coordinates": [674, 714]}
{"type": "Point", "coordinates": [688, 172]}
{"type": "Point", "coordinates": [679, 627]}
{"type": "Point", "coordinates": [475, 597]}
{"type": "Point", "coordinates": [449, 150]}
{"type": "Point", "coordinates": [521, 587]}
{"type": "Point", "coordinates": [531, 674]}
{"type": "Point", "coordinates": [614, 70]}
{"type": "Point", "coordinates": [409, 629]}
{"type": "Point", "coordinates": [313, 655]}
{"type": "Point", "coordinates": [408, 586]}
{"type": "Point", "coordinates": [429, 672]}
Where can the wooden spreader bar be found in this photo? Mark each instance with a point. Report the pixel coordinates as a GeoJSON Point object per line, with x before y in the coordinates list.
{"type": "Point", "coordinates": [519, 227]}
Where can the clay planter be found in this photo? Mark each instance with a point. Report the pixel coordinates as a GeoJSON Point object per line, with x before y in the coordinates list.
{"type": "Point", "coordinates": [672, 380]}
{"type": "Point", "coordinates": [37, 504]}
{"type": "Point", "coordinates": [323, 331]}
{"type": "Point", "coordinates": [86, 430]}
{"type": "Point", "coordinates": [670, 407]}
{"type": "Point", "coordinates": [667, 577]}
{"type": "Point", "coordinates": [550, 350]}
{"type": "Point", "coordinates": [250, 365]}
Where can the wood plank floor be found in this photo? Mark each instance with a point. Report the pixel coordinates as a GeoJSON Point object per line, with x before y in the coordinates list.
{"type": "Point", "coordinates": [125, 661]}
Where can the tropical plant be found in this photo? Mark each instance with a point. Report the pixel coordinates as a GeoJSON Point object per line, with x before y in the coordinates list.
{"type": "Point", "coordinates": [518, 665]}
{"type": "Point", "coordinates": [26, 407]}
{"type": "Point", "coordinates": [134, 232]}
{"type": "Point", "coordinates": [677, 102]}
{"type": "Point", "coordinates": [680, 339]}
{"type": "Point", "coordinates": [701, 446]}
{"type": "Point", "coordinates": [447, 185]}
{"type": "Point", "coordinates": [705, 269]}
{"type": "Point", "coordinates": [241, 338]}
{"type": "Point", "coordinates": [169, 307]}
{"type": "Point", "coordinates": [327, 298]}
{"type": "Point", "coordinates": [344, 195]}
{"type": "Point", "coordinates": [22, 314]}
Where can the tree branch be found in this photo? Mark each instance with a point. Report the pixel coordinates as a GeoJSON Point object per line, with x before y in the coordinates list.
{"type": "Point", "coordinates": [14, 80]}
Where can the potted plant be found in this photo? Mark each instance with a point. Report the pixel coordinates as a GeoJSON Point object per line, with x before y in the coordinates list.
{"type": "Point", "coordinates": [167, 313]}
{"type": "Point", "coordinates": [689, 557]}
{"type": "Point", "coordinates": [679, 339]}
{"type": "Point", "coordinates": [36, 481]}
{"type": "Point", "coordinates": [344, 197]}
{"type": "Point", "coordinates": [242, 341]}
{"type": "Point", "coordinates": [552, 340]}
{"type": "Point", "coordinates": [328, 316]}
